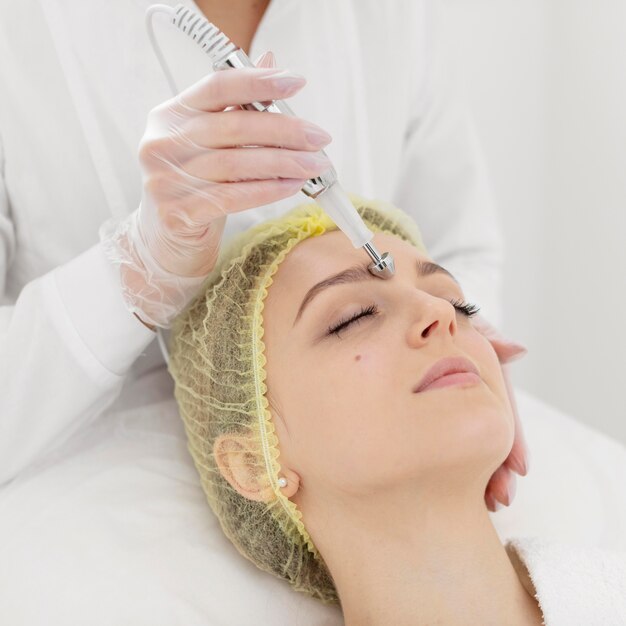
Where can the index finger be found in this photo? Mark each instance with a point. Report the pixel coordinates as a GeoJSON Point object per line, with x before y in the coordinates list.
{"type": "Point", "coordinates": [242, 85]}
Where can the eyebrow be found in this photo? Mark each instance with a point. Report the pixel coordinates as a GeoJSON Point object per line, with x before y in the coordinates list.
{"type": "Point", "coordinates": [360, 273]}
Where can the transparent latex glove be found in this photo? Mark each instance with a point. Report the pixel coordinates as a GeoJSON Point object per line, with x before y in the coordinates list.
{"type": "Point", "coordinates": [501, 486]}
{"type": "Point", "coordinates": [202, 157]}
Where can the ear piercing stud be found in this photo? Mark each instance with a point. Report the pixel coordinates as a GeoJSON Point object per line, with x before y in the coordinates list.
{"type": "Point", "coordinates": [282, 482]}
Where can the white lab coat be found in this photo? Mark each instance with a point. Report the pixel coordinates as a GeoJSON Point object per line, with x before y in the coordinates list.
{"type": "Point", "coordinates": [77, 81]}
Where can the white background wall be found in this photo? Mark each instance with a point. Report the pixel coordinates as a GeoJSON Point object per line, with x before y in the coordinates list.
{"type": "Point", "coordinates": [546, 80]}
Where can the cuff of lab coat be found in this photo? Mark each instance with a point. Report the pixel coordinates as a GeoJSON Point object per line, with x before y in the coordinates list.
{"type": "Point", "coordinates": [89, 288]}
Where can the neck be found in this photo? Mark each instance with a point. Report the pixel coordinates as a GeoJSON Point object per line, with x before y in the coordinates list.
{"type": "Point", "coordinates": [238, 19]}
{"type": "Point", "coordinates": [440, 561]}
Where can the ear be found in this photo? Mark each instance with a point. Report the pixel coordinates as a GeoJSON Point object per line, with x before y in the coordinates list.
{"type": "Point", "coordinates": [237, 465]}
{"type": "Point", "coordinates": [236, 459]}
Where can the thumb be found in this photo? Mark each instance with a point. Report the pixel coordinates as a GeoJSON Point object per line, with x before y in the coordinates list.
{"type": "Point", "coordinates": [266, 60]}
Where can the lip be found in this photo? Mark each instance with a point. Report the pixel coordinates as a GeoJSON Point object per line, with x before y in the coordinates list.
{"type": "Point", "coordinates": [445, 367]}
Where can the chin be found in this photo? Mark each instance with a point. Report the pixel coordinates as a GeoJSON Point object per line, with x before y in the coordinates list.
{"type": "Point", "coordinates": [477, 417]}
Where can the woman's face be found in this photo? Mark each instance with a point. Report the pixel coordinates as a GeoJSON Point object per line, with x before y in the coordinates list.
{"type": "Point", "coordinates": [346, 413]}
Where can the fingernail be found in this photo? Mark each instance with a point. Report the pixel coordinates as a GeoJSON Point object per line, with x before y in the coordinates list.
{"type": "Point", "coordinates": [266, 60]}
{"type": "Point", "coordinates": [313, 160]}
{"type": "Point", "coordinates": [516, 351]}
{"type": "Point", "coordinates": [498, 505]}
{"type": "Point", "coordinates": [270, 59]}
{"type": "Point", "coordinates": [285, 81]}
{"type": "Point", "coordinates": [316, 136]}
{"type": "Point", "coordinates": [518, 464]}
{"type": "Point", "coordinates": [511, 489]}
{"type": "Point", "coordinates": [295, 184]}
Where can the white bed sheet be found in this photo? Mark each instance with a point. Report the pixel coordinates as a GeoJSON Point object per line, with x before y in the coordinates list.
{"type": "Point", "coordinates": [114, 528]}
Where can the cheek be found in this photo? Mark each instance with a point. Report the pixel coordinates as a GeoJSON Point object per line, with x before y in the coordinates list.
{"type": "Point", "coordinates": [485, 356]}
{"type": "Point", "coordinates": [328, 408]}
{"type": "Point", "coordinates": [353, 394]}
{"type": "Point", "coordinates": [357, 373]}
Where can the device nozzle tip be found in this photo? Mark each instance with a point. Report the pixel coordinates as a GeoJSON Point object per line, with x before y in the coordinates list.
{"type": "Point", "coordinates": [384, 268]}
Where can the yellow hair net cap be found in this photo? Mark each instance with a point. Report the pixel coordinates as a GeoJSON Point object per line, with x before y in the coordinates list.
{"type": "Point", "coordinates": [217, 361]}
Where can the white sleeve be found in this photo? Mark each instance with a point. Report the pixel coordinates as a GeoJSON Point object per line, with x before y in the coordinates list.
{"type": "Point", "coordinates": [444, 183]}
{"type": "Point", "coordinates": [65, 347]}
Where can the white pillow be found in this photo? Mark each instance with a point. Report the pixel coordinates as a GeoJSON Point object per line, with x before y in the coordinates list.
{"type": "Point", "coordinates": [115, 529]}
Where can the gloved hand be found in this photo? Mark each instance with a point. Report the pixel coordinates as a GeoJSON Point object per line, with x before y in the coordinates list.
{"type": "Point", "coordinates": [203, 157]}
{"type": "Point", "coordinates": [501, 486]}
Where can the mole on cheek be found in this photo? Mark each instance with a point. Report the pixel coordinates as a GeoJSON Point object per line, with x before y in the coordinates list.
{"type": "Point", "coordinates": [357, 357]}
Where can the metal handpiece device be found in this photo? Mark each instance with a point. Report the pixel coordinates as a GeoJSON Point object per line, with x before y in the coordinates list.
{"type": "Point", "coordinates": [325, 189]}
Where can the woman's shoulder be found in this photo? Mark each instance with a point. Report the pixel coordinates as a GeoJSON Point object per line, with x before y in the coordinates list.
{"type": "Point", "coordinates": [574, 584]}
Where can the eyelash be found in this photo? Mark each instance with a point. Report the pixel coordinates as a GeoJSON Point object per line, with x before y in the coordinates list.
{"type": "Point", "coordinates": [467, 309]}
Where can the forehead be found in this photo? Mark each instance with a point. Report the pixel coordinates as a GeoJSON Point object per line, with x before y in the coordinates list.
{"type": "Point", "coordinates": [317, 258]}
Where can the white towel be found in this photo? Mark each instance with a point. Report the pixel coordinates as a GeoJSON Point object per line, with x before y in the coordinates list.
{"type": "Point", "coordinates": [574, 585]}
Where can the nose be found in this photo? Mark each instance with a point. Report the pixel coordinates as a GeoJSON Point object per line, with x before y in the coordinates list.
{"type": "Point", "coordinates": [432, 317]}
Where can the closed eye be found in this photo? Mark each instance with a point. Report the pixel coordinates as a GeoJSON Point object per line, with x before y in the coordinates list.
{"type": "Point", "coordinates": [372, 309]}
{"type": "Point", "coordinates": [465, 308]}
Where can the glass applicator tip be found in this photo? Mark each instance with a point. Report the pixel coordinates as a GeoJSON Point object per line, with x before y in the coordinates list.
{"type": "Point", "coordinates": [342, 211]}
